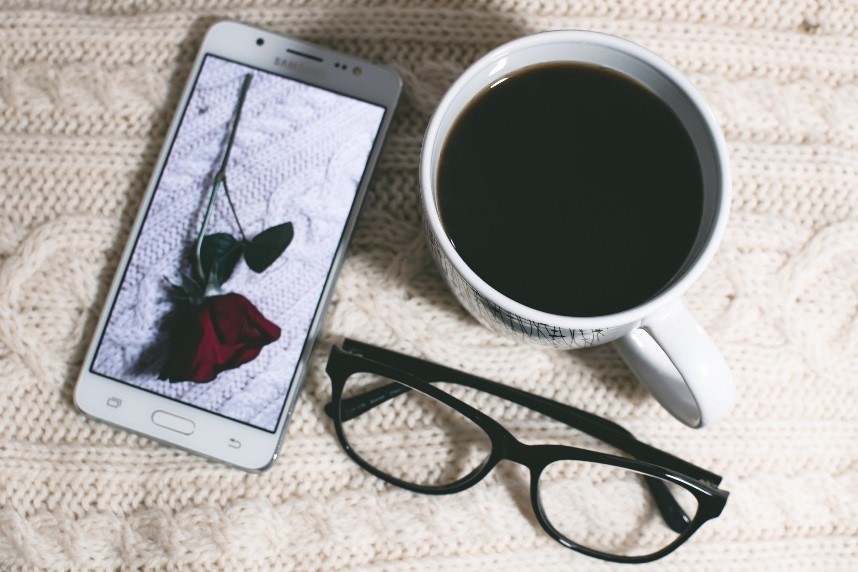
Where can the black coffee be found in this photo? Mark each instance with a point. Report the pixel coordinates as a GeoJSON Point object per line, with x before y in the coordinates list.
{"type": "Point", "coordinates": [571, 189]}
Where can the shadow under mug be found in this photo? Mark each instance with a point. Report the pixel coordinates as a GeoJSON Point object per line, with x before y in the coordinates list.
{"type": "Point", "coordinates": [660, 340]}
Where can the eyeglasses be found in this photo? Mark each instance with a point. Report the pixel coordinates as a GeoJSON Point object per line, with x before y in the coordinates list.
{"type": "Point", "coordinates": [409, 422]}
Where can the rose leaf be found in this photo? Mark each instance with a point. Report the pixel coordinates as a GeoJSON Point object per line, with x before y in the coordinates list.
{"type": "Point", "coordinates": [267, 246]}
{"type": "Point", "coordinates": [219, 254]}
{"type": "Point", "coordinates": [194, 293]}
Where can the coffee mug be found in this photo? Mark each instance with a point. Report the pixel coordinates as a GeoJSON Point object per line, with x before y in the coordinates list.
{"type": "Point", "coordinates": [660, 340]}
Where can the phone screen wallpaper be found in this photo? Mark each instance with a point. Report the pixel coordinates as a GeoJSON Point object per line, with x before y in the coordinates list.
{"type": "Point", "coordinates": [226, 275]}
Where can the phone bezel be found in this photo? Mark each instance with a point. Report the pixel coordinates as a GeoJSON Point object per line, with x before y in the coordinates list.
{"type": "Point", "coordinates": [213, 433]}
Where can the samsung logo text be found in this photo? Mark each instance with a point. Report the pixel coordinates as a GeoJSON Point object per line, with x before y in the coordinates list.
{"type": "Point", "coordinates": [297, 67]}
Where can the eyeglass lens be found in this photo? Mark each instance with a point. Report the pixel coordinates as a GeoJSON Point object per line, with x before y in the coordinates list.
{"type": "Point", "coordinates": [413, 437]}
{"type": "Point", "coordinates": [608, 508]}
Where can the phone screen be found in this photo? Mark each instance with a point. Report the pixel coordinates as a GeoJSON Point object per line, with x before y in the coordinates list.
{"type": "Point", "coordinates": [223, 330]}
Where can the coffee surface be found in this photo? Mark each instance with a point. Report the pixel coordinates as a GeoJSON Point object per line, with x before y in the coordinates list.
{"type": "Point", "coordinates": [571, 189]}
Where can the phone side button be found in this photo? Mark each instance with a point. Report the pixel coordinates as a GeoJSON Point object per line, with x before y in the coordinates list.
{"type": "Point", "coordinates": [173, 422]}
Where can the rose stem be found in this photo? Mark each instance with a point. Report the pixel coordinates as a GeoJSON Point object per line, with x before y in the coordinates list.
{"type": "Point", "coordinates": [220, 177]}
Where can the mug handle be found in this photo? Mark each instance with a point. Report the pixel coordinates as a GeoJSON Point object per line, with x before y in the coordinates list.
{"type": "Point", "coordinates": [679, 364]}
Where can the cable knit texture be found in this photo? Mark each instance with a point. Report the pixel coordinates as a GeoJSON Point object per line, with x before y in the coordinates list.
{"type": "Point", "coordinates": [86, 94]}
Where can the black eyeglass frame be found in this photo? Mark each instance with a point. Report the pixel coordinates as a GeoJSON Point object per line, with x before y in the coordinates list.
{"type": "Point", "coordinates": [416, 374]}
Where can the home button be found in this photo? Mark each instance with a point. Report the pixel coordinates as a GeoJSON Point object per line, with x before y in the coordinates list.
{"type": "Point", "coordinates": [173, 422]}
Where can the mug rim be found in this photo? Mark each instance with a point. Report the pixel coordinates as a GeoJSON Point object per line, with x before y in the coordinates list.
{"type": "Point", "coordinates": [641, 311]}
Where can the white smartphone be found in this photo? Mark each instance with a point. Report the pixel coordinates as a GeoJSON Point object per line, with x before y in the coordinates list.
{"type": "Point", "coordinates": [210, 321]}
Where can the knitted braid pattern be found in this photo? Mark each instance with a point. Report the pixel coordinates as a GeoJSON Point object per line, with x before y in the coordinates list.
{"type": "Point", "coordinates": [86, 94]}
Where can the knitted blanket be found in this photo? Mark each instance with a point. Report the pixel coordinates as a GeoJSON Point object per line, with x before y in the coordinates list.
{"type": "Point", "coordinates": [86, 93]}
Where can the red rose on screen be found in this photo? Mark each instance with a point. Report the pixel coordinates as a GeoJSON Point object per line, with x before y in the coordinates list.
{"type": "Point", "coordinates": [221, 333]}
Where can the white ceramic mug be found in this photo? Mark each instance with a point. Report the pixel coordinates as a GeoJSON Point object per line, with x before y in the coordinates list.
{"type": "Point", "coordinates": [661, 342]}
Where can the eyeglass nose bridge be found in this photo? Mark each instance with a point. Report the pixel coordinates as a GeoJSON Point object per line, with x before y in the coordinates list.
{"type": "Point", "coordinates": [520, 453]}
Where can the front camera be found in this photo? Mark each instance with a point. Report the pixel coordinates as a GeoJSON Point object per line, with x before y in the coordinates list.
{"type": "Point", "coordinates": [259, 41]}
{"type": "Point", "coordinates": [357, 71]}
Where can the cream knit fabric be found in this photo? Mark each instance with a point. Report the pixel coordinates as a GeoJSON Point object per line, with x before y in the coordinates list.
{"type": "Point", "coordinates": [86, 92]}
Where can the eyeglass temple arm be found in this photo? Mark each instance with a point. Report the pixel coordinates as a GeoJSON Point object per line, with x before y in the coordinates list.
{"type": "Point", "coordinates": [595, 426]}
{"type": "Point", "coordinates": [352, 407]}
{"type": "Point", "coordinates": [356, 406]}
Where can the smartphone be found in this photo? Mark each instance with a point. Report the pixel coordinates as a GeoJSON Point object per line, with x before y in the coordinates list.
{"type": "Point", "coordinates": [210, 321]}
